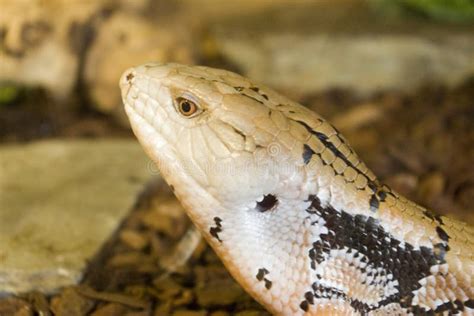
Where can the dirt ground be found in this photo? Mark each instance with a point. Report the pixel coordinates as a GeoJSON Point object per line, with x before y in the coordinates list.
{"type": "Point", "coordinates": [421, 144]}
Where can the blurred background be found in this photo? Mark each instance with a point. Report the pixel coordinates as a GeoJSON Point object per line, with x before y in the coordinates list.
{"type": "Point", "coordinates": [85, 221]}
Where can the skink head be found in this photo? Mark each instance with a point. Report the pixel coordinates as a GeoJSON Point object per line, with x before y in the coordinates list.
{"type": "Point", "coordinates": [220, 127]}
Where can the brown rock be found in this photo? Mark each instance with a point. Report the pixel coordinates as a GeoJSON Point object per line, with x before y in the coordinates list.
{"type": "Point", "coordinates": [220, 313]}
{"type": "Point", "coordinates": [15, 306]}
{"type": "Point", "coordinates": [163, 309]}
{"type": "Point", "coordinates": [185, 312]}
{"type": "Point", "coordinates": [126, 40]}
{"type": "Point", "coordinates": [111, 309]}
{"type": "Point", "coordinates": [133, 239]}
{"type": "Point", "coordinates": [140, 313]}
{"type": "Point", "coordinates": [131, 258]}
{"type": "Point", "coordinates": [404, 183]}
{"type": "Point", "coordinates": [209, 273]}
{"type": "Point", "coordinates": [251, 313]}
{"type": "Point", "coordinates": [167, 288]}
{"type": "Point", "coordinates": [71, 303]}
{"type": "Point", "coordinates": [113, 297]}
{"type": "Point", "coordinates": [465, 195]}
{"type": "Point", "coordinates": [186, 297]}
{"type": "Point", "coordinates": [431, 186]}
{"type": "Point", "coordinates": [166, 217]}
{"type": "Point", "coordinates": [157, 221]}
{"type": "Point", "coordinates": [49, 248]}
{"type": "Point", "coordinates": [39, 302]}
{"type": "Point", "coordinates": [219, 293]}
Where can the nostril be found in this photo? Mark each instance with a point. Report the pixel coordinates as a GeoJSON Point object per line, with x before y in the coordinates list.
{"type": "Point", "coordinates": [129, 76]}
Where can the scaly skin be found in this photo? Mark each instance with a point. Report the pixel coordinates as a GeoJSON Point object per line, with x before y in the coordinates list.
{"type": "Point", "coordinates": [296, 217]}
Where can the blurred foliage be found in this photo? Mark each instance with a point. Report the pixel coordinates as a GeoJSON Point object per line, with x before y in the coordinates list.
{"type": "Point", "coordinates": [459, 11]}
{"type": "Point", "coordinates": [9, 93]}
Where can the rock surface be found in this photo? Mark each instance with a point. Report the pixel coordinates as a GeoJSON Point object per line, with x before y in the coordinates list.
{"type": "Point", "coordinates": [126, 40]}
{"type": "Point", "coordinates": [59, 201]}
{"type": "Point", "coordinates": [297, 46]}
{"type": "Point", "coordinates": [42, 39]}
{"type": "Point", "coordinates": [320, 46]}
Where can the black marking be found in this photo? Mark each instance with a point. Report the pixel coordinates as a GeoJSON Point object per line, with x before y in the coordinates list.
{"type": "Point", "coordinates": [327, 143]}
{"type": "Point", "coordinates": [469, 303]}
{"type": "Point", "coordinates": [130, 77]}
{"type": "Point", "coordinates": [261, 273]}
{"type": "Point", "coordinates": [309, 296]}
{"type": "Point", "coordinates": [447, 306]}
{"type": "Point", "coordinates": [459, 305]}
{"type": "Point", "coordinates": [321, 291]}
{"type": "Point", "coordinates": [433, 216]}
{"type": "Point", "coordinates": [382, 195]}
{"type": "Point", "coordinates": [307, 154]}
{"type": "Point", "coordinates": [442, 234]}
{"type": "Point", "coordinates": [269, 202]}
{"type": "Point", "coordinates": [239, 89]}
{"type": "Point", "coordinates": [304, 306]}
{"type": "Point", "coordinates": [454, 307]}
{"type": "Point", "coordinates": [268, 283]}
{"type": "Point", "coordinates": [256, 89]}
{"type": "Point", "coordinates": [373, 185]}
{"type": "Point", "coordinates": [365, 237]}
{"type": "Point", "coordinates": [417, 310]}
{"type": "Point", "coordinates": [214, 231]}
{"type": "Point", "coordinates": [374, 203]}
{"type": "Point", "coordinates": [439, 251]}
{"type": "Point", "coordinates": [325, 140]}
{"type": "Point", "coordinates": [343, 140]}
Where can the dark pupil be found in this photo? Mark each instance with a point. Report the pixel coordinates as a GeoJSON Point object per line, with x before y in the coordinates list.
{"type": "Point", "coordinates": [185, 106]}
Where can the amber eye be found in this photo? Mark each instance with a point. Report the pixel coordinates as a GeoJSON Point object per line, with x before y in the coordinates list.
{"type": "Point", "coordinates": [186, 107]}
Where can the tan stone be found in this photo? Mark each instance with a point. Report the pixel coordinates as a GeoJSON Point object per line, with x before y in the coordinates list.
{"type": "Point", "coordinates": [126, 40]}
{"type": "Point", "coordinates": [59, 201]}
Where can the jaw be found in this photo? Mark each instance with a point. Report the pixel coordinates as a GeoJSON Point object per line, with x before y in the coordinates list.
{"type": "Point", "coordinates": [195, 199]}
{"type": "Point", "coordinates": [150, 140]}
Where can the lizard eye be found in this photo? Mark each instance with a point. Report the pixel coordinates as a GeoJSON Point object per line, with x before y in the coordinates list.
{"type": "Point", "coordinates": [186, 107]}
